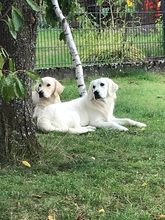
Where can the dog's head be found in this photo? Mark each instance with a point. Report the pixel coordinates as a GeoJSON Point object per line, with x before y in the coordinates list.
{"type": "Point", "coordinates": [102, 88]}
{"type": "Point", "coordinates": [49, 86]}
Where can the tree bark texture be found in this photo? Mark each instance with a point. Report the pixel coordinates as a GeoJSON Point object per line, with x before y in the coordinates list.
{"type": "Point", "coordinates": [17, 130]}
{"type": "Point", "coordinates": [72, 47]}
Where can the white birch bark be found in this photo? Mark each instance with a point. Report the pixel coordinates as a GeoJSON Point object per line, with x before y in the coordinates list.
{"type": "Point", "coordinates": [72, 47]}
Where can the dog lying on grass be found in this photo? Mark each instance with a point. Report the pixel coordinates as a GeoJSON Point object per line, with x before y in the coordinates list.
{"type": "Point", "coordinates": [84, 114]}
{"type": "Point", "coordinates": [46, 93]}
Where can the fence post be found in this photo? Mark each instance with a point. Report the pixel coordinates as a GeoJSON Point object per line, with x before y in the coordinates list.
{"type": "Point", "coordinates": [163, 15]}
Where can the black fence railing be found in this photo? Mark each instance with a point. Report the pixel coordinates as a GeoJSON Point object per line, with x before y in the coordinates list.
{"type": "Point", "coordinates": [114, 38]}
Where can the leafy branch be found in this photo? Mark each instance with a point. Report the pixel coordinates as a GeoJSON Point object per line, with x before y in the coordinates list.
{"type": "Point", "coordinates": [16, 20]}
{"type": "Point", "coordinates": [10, 84]}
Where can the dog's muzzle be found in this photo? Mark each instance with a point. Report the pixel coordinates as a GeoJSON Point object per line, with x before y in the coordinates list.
{"type": "Point", "coordinates": [97, 95]}
{"type": "Point", "coordinates": [41, 94]}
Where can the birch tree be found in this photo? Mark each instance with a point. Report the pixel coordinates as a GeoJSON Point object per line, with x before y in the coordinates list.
{"type": "Point", "coordinates": [72, 47]}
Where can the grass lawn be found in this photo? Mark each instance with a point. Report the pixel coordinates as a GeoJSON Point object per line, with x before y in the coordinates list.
{"type": "Point", "coordinates": [102, 175]}
{"type": "Point", "coordinates": [95, 47]}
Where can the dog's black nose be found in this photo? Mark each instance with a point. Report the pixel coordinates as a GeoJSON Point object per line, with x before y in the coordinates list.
{"type": "Point", "coordinates": [41, 94]}
{"type": "Point", "coordinates": [97, 95]}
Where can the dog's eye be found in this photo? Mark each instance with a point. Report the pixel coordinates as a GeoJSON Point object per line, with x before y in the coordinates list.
{"type": "Point", "coordinates": [48, 85]}
{"type": "Point", "coordinates": [39, 85]}
{"type": "Point", "coordinates": [102, 84]}
{"type": "Point", "coordinates": [94, 87]}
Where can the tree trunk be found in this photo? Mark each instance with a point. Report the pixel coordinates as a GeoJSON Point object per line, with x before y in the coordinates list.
{"type": "Point", "coordinates": [72, 47]}
{"type": "Point", "coordinates": [17, 130]}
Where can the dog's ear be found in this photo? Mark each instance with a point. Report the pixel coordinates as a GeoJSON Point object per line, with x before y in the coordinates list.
{"type": "Point", "coordinates": [35, 98]}
{"type": "Point", "coordinates": [58, 88]}
{"type": "Point", "coordinates": [112, 87]}
{"type": "Point", "coordinates": [90, 91]}
{"type": "Point", "coordinates": [36, 87]}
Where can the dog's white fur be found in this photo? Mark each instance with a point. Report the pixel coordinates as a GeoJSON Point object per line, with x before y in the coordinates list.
{"type": "Point", "coordinates": [86, 113]}
{"type": "Point", "coordinates": [46, 93]}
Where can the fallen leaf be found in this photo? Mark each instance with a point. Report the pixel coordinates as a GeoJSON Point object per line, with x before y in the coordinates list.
{"type": "Point", "coordinates": [46, 192]}
{"type": "Point", "coordinates": [36, 196]}
{"type": "Point", "coordinates": [159, 216]}
{"type": "Point", "coordinates": [25, 163]}
{"type": "Point", "coordinates": [51, 217]}
{"type": "Point", "coordinates": [144, 184]}
{"type": "Point", "coordinates": [80, 218]}
{"type": "Point", "coordinates": [101, 211]}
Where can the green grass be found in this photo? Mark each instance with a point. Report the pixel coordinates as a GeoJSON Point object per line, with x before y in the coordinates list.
{"type": "Point", "coordinates": [78, 175]}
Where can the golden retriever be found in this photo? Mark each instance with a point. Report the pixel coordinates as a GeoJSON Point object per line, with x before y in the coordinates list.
{"type": "Point", "coordinates": [46, 93]}
{"type": "Point", "coordinates": [86, 113]}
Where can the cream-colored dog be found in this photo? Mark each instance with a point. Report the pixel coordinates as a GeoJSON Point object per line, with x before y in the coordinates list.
{"type": "Point", "coordinates": [86, 113]}
{"type": "Point", "coordinates": [46, 93]}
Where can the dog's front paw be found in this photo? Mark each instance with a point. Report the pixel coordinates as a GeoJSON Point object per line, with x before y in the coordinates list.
{"type": "Point", "coordinates": [91, 128]}
{"type": "Point", "coordinates": [122, 128]}
{"type": "Point", "coordinates": [141, 125]}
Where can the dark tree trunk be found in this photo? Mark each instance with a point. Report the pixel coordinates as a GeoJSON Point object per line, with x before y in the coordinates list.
{"type": "Point", "coordinates": [17, 130]}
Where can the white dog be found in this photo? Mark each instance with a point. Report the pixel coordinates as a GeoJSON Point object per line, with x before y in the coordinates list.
{"type": "Point", "coordinates": [84, 114]}
{"type": "Point", "coordinates": [46, 93]}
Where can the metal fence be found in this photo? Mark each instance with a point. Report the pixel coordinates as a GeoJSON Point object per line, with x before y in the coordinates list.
{"type": "Point", "coordinates": [124, 37]}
